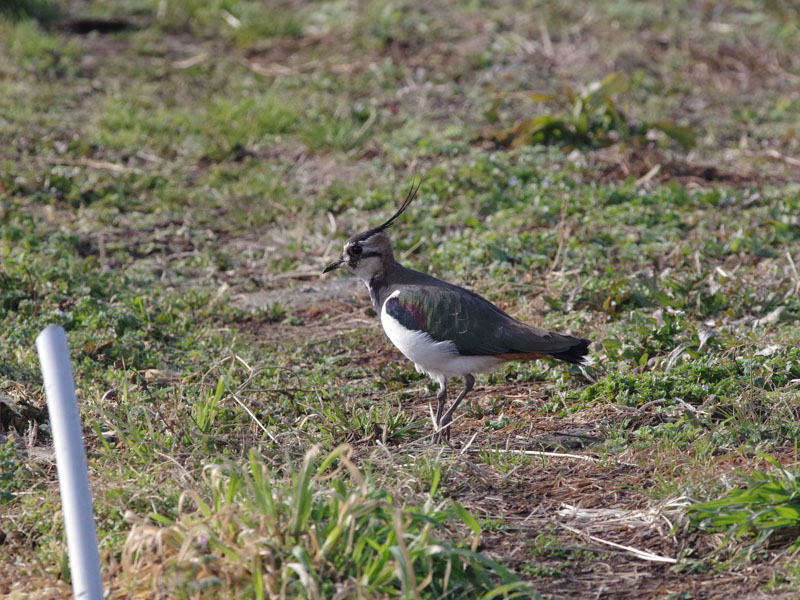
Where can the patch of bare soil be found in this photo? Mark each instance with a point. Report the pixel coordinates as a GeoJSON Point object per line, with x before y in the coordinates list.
{"type": "Point", "coordinates": [605, 537]}
{"type": "Point", "coordinates": [654, 167]}
{"type": "Point", "coordinates": [324, 309]}
{"type": "Point", "coordinates": [323, 296]}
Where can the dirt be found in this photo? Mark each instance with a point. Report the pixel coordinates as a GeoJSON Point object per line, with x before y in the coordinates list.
{"type": "Point", "coordinates": [318, 311]}
{"type": "Point", "coordinates": [652, 166]}
{"type": "Point", "coordinates": [610, 506]}
{"type": "Point", "coordinates": [319, 296]}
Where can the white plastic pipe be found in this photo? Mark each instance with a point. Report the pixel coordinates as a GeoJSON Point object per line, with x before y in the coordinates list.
{"type": "Point", "coordinates": [73, 477]}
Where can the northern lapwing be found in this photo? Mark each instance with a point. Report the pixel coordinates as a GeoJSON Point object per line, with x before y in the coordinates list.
{"type": "Point", "coordinates": [445, 330]}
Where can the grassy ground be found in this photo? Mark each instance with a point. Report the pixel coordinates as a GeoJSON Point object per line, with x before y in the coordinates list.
{"type": "Point", "coordinates": [173, 183]}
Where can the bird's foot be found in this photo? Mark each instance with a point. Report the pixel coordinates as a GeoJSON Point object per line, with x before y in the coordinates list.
{"type": "Point", "coordinates": [442, 433]}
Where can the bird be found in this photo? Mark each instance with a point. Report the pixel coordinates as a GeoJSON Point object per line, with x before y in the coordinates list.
{"type": "Point", "coordinates": [447, 331]}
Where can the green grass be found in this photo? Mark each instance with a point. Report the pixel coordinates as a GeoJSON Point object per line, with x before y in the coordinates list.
{"type": "Point", "coordinates": [766, 504]}
{"type": "Point", "coordinates": [322, 533]}
{"type": "Point", "coordinates": [590, 119]}
{"type": "Point", "coordinates": [169, 193]}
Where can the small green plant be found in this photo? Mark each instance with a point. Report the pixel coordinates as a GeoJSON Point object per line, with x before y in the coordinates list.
{"type": "Point", "coordinates": [768, 502]}
{"type": "Point", "coordinates": [11, 468]}
{"type": "Point", "coordinates": [342, 423]}
{"type": "Point", "coordinates": [589, 119]}
{"type": "Point", "coordinates": [205, 410]}
{"type": "Point", "coordinates": [248, 534]}
{"type": "Point", "coordinates": [274, 313]}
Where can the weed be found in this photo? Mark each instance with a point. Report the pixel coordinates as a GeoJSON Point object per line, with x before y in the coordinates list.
{"type": "Point", "coordinates": [12, 471]}
{"type": "Point", "coordinates": [768, 504]}
{"type": "Point", "coordinates": [591, 118]}
{"type": "Point", "coordinates": [248, 533]}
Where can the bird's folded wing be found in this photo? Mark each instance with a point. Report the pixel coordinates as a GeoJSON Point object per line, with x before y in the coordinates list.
{"type": "Point", "coordinates": [472, 323]}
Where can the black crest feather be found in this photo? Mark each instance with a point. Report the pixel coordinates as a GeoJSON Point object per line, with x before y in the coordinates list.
{"type": "Point", "coordinates": [412, 192]}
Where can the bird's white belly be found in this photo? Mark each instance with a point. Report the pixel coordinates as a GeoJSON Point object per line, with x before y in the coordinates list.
{"type": "Point", "coordinates": [439, 360]}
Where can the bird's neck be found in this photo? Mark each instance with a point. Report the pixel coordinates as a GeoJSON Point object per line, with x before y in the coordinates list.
{"type": "Point", "coordinates": [377, 287]}
{"type": "Point", "coordinates": [391, 272]}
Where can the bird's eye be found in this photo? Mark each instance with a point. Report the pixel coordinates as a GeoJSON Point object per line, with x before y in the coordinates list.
{"type": "Point", "coordinates": [355, 250]}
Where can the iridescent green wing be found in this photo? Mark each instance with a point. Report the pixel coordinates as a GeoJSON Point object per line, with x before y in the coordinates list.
{"type": "Point", "coordinates": [473, 324]}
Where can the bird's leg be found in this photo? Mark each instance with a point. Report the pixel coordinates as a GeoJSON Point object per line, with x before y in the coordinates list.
{"type": "Point", "coordinates": [441, 397]}
{"type": "Point", "coordinates": [469, 381]}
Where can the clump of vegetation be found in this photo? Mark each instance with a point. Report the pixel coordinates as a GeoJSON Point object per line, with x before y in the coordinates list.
{"type": "Point", "coordinates": [26, 9]}
{"type": "Point", "coordinates": [765, 505]}
{"type": "Point", "coordinates": [12, 476]}
{"type": "Point", "coordinates": [589, 119]}
{"type": "Point", "coordinates": [323, 534]}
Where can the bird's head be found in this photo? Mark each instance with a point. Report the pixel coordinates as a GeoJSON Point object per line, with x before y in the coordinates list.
{"type": "Point", "coordinates": [367, 253]}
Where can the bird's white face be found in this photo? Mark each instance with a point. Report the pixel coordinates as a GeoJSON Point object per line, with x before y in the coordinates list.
{"type": "Point", "coordinates": [364, 257]}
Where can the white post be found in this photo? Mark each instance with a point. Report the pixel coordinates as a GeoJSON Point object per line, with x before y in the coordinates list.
{"type": "Point", "coordinates": [73, 477]}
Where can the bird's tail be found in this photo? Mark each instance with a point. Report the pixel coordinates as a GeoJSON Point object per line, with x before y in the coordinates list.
{"type": "Point", "coordinates": [575, 353]}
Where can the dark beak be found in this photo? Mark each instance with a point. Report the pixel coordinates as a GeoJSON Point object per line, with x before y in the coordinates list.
{"type": "Point", "coordinates": [334, 265]}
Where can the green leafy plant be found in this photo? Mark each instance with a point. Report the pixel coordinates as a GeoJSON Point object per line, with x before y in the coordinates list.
{"type": "Point", "coordinates": [768, 502]}
{"type": "Point", "coordinates": [341, 423]}
{"type": "Point", "coordinates": [589, 119]}
{"type": "Point", "coordinates": [11, 468]}
{"type": "Point", "coordinates": [205, 411]}
{"type": "Point", "coordinates": [249, 534]}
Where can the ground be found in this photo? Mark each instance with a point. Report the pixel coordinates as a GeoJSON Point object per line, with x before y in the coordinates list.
{"type": "Point", "coordinates": [176, 175]}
